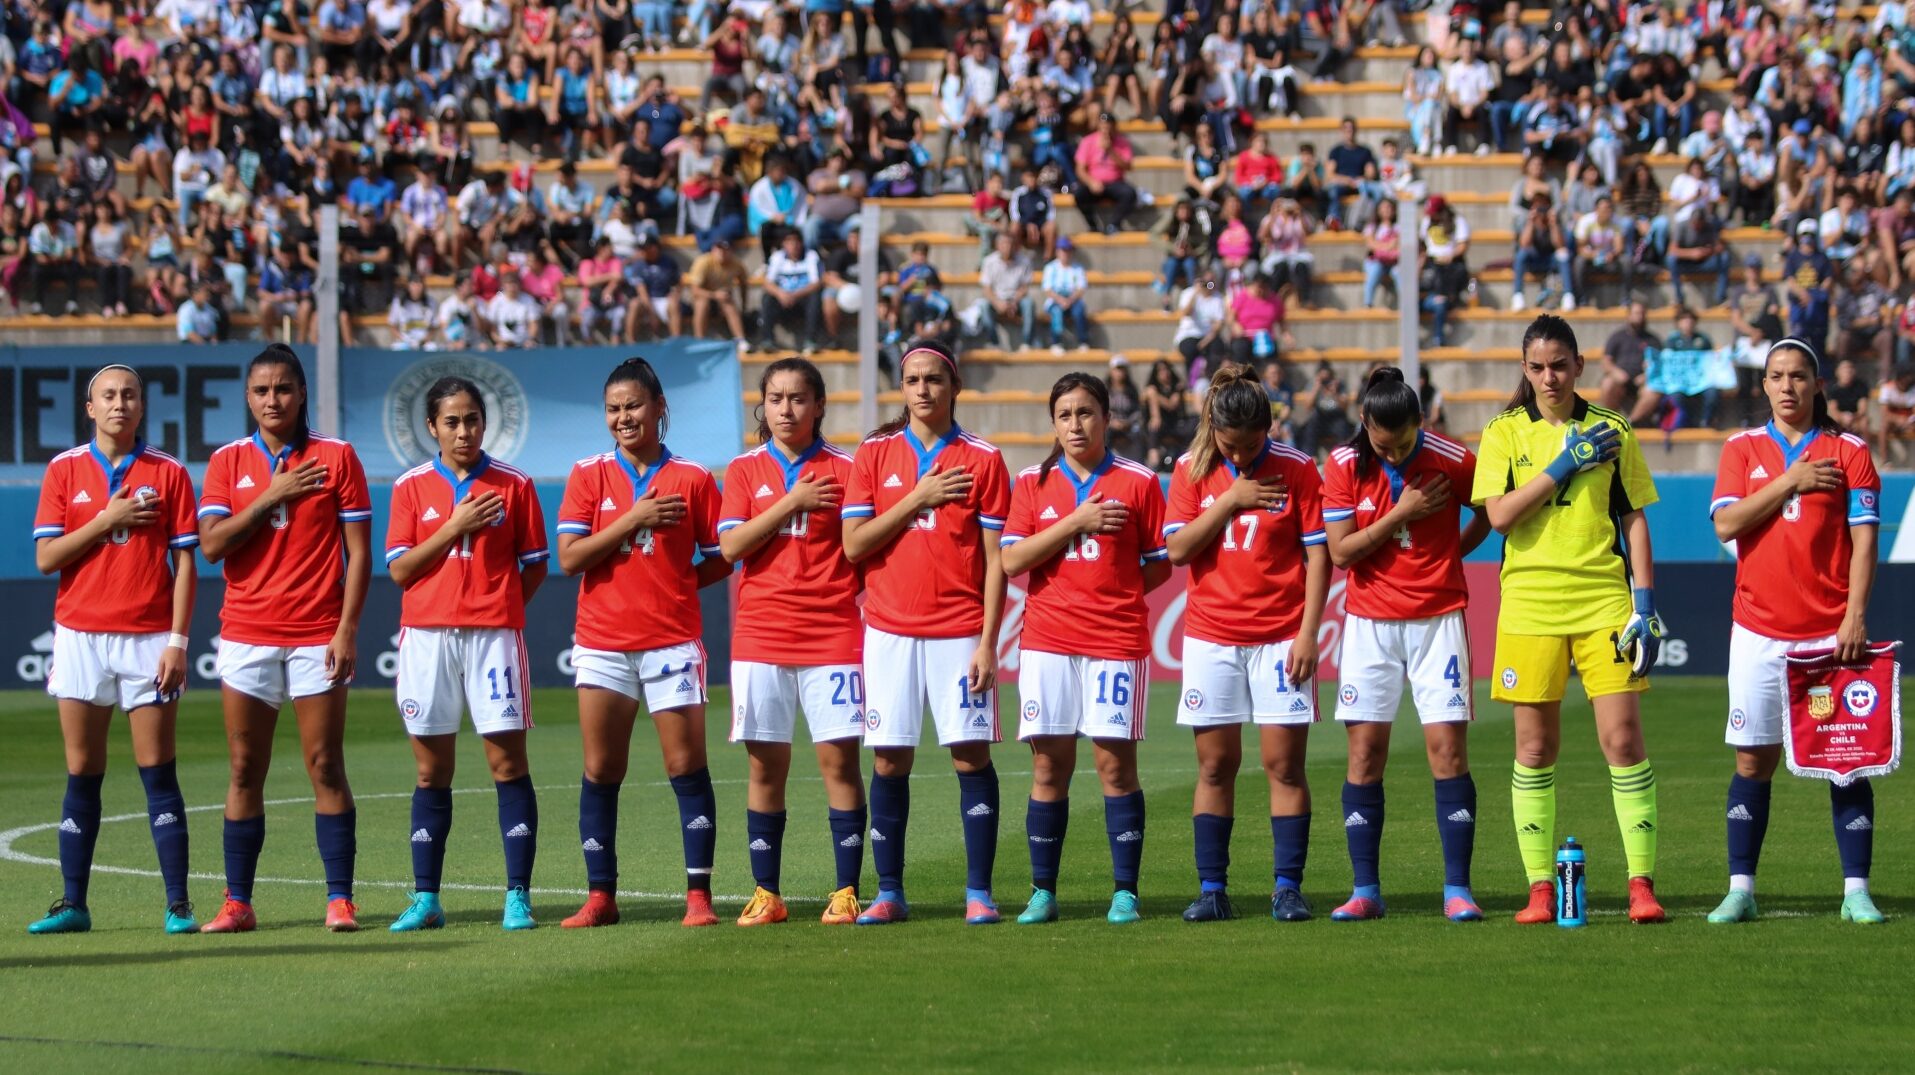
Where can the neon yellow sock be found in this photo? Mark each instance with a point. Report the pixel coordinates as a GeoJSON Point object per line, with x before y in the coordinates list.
{"type": "Point", "coordinates": [1634, 790]}
{"type": "Point", "coordinates": [1532, 799]}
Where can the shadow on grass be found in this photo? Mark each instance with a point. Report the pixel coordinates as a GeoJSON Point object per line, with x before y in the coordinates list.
{"type": "Point", "coordinates": [78, 960]}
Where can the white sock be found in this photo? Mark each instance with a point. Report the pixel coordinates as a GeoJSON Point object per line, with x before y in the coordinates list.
{"type": "Point", "coordinates": [1742, 882]}
{"type": "Point", "coordinates": [1852, 885]}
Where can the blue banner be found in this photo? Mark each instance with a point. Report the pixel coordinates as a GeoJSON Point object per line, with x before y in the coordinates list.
{"type": "Point", "coordinates": [544, 408]}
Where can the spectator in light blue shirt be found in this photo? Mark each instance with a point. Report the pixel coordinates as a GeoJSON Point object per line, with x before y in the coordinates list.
{"type": "Point", "coordinates": [1064, 285]}
{"type": "Point", "coordinates": [198, 318]}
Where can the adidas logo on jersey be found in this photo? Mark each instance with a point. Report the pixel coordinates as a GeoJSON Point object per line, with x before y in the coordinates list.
{"type": "Point", "coordinates": [891, 482]}
{"type": "Point", "coordinates": [519, 831]}
{"type": "Point", "coordinates": [853, 840]}
{"type": "Point", "coordinates": [1860, 824]}
{"type": "Point", "coordinates": [1760, 472]}
{"type": "Point", "coordinates": [1130, 836]}
{"type": "Point", "coordinates": [1529, 829]}
{"type": "Point", "coordinates": [245, 482]}
{"type": "Point", "coordinates": [81, 497]}
{"type": "Point", "coordinates": [421, 837]}
{"type": "Point", "coordinates": [1118, 720]}
{"type": "Point", "coordinates": [1209, 500]}
{"type": "Point", "coordinates": [1522, 460]}
{"type": "Point", "coordinates": [1463, 817]}
{"type": "Point", "coordinates": [1739, 812]}
{"type": "Point", "coordinates": [1355, 820]}
{"type": "Point", "coordinates": [607, 505]}
{"type": "Point", "coordinates": [1367, 505]}
{"type": "Point", "coordinates": [698, 824]}
{"type": "Point", "coordinates": [1048, 513]}
{"type": "Point", "coordinates": [1299, 706]}
{"type": "Point", "coordinates": [979, 721]}
{"type": "Point", "coordinates": [980, 810]}
{"type": "Point", "coordinates": [510, 710]}
{"type": "Point", "coordinates": [760, 845]}
{"type": "Point", "coordinates": [430, 515]}
{"type": "Point", "coordinates": [70, 825]}
{"type": "Point", "coordinates": [1457, 701]}
{"type": "Point", "coordinates": [591, 844]}
{"type": "Point", "coordinates": [763, 490]}
{"type": "Point", "coordinates": [168, 818]}
{"type": "Point", "coordinates": [684, 687]}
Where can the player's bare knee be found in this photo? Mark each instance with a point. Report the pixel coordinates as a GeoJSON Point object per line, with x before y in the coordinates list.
{"type": "Point", "coordinates": [893, 763]}
{"type": "Point", "coordinates": [1757, 763]}
{"type": "Point", "coordinates": [1117, 772]}
{"type": "Point", "coordinates": [1285, 772]}
{"type": "Point", "coordinates": [327, 769]}
{"type": "Point", "coordinates": [971, 757]}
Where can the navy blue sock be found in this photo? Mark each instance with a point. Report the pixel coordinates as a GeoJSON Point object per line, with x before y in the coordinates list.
{"type": "Point", "coordinates": [1290, 843]}
{"type": "Point", "coordinates": [766, 833]}
{"type": "Point", "coordinates": [1456, 827]}
{"type": "Point", "coordinates": [1213, 850]}
{"type": "Point", "coordinates": [847, 845]}
{"type": "Point", "coordinates": [166, 811]}
{"type": "Point", "coordinates": [698, 825]}
{"type": "Point", "coordinates": [1044, 826]}
{"type": "Point", "coordinates": [977, 801]}
{"type": "Point", "coordinates": [338, 838]}
{"type": "Point", "coordinates": [1124, 825]}
{"type": "Point", "coordinates": [1854, 811]}
{"type": "Point", "coordinates": [518, 828]}
{"type": "Point", "coordinates": [598, 833]}
{"type": "Point", "coordinates": [1748, 823]}
{"type": "Point", "coordinates": [242, 840]}
{"type": "Point", "coordinates": [431, 824]}
{"type": "Point", "coordinates": [890, 814]}
{"type": "Point", "coordinates": [79, 829]}
{"type": "Point", "coordinates": [1362, 830]}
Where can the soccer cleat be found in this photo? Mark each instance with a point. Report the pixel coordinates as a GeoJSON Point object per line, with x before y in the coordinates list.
{"type": "Point", "coordinates": [63, 917]}
{"type": "Point", "coordinates": [1358, 909]}
{"type": "Point", "coordinates": [179, 917]}
{"type": "Point", "coordinates": [1288, 905]}
{"type": "Point", "coordinates": [1211, 906]}
{"type": "Point", "coordinates": [600, 909]}
{"type": "Point", "coordinates": [981, 912]}
{"type": "Point", "coordinates": [1462, 909]}
{"type": "Point", "coordinates": [889, 907]}
{"type": "Point", "coordinates": [1542, 905]}
{"type": "Point", "coordinates": [342, 915]}
{"type": "Point", "coordinates": [698, 910]}
{"type": "Point", "coordinates": [518, 910]}
{"type": "Point", "coordinates": [1042, 908]}
{"type": "Point", "coordinates": [842, 908]}
{"type": "Point", "coordinates": [1643, 907]}
{"type": "Point", "coordinates": [1737, 906]}
{"type": "Point", "coordinates": [765, 908]}
{"type": "Point", "coordinates": [1858, 908]}
{"type": "Point", "coordinates": [1123, 908]}
{"type": "Point", "coordinates": [422, 913]}
{"type": "Point", "coordinates": [233, 917]}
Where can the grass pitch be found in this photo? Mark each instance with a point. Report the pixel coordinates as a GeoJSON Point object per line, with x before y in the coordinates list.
{"type": "Point", "coordinates": [1413, 992]}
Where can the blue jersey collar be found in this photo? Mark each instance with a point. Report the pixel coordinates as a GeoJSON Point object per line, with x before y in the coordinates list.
{"type": "Point", "coordinates": [1396, 472]}
{"type": "Point", "coordinates": [1254, 466]}
{"type": "Point", "coordinates": [461, 488]}
{"type": "Point", "coordinates": [929, 455]}
{"type": "Point", "coordinates": [272, 461]}
{"type": "Point", "coordinates": [1790, 452]}
{"type": "Point", "coordinates": [1082, 487]}
{"type": "Point", "coordinates": [642, 480]}
{"type": "Point", "coordinates": [115, 475]}
{"type": "Point", "coordinates": [791, 467]}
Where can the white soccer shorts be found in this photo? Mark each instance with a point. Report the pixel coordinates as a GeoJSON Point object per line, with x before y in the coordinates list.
{"type": "Point", "coordinates": [671, 677]}
{"type": "Point", "coordinates": [1378, 655]}
{"type": "Point", "coordinates": [444, 671]}
{"type": "Point", "coordinates": [903, 674]}
{"type": "Point", "coordinates": [1088, 696]}
{"type": "Point", "coordinates": [104, 667]}
{"type": "Point", "coordinates": [273, 674]}
{"type": "Point", "coordinates": [1233, 684]}
{"type": "Point", "coordinates": [765, 699]}
{"type": "Point", "coordinates": [1759, 685]}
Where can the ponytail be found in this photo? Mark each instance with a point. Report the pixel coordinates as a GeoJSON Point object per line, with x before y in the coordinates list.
{"type": "Point", "coordinates": [1819, 419]}
{"type": "Point", "coordinates": [1235, 402]}
{"type": "Point", "coordinates": [933, 347]}
{"type": "Point", "coordinates": [1072, 382]}
{"type": "Point", "coordinates": [1389, 404]}
{"type": "Point", "coordinates": [1547, 328]}
{"type": "Point", "coordinates": [278, 354]}
{"type": "Point", "coordinates": [814, 382]}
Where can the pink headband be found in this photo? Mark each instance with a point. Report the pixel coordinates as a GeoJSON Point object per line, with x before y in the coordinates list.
{"type": "Point", "coordinates": [940, 355]}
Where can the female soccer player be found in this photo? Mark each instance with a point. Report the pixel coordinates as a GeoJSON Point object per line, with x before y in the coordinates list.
{"type": "Point", "coordinates": [466, 543]}
{"type": "Point", "coordinates": [1246, 514]}
{"type": "Point", "coordinates": [1088, 526]}
{"type": "Point", "coordinates": [921, 516]}
{"type": "Point", "coordinates": [1564, 482]}
{"type": "Point", "coordinates": [632, 521]}
{"type": "Point", "coordinates": [116, 521]}
{"type": "Point", "coordinates": [1800, 498]}
{"type": "Point", "coordinates": [797, 638]}
{"type": "Point", "coordinates": [288, 513]}
{"type": "Point", "coordinates": [1391, 507]}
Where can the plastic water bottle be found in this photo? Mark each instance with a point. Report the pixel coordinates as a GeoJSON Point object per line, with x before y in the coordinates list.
{"type": "Point", "coordinates": [1572, 908]}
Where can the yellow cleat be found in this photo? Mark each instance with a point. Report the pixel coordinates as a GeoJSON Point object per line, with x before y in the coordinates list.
{"type": "Point", "coordinates": [765, 908]}
{"type": "Point", "coordinates": [843, 909]}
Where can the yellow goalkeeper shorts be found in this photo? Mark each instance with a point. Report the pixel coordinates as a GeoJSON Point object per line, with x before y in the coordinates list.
{"type": "Point", "coordinates": [1534, 669]}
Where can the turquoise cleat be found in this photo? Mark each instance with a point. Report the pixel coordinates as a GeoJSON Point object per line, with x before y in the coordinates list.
{"type": "Point", "coordinates": [1123, 908]}
{"type": "Point", "coordinates": [1738, 906]}
{"type": "Point", "coordinates": [1042, 908]}
{"type": "Point", "coordinates": [1859, 909]}
{"type": "Point", "coordinates": [179, 918]}
{"type": "Point", "coordinates": [518, 911]}
{"type": "Point", "coordinates": [423, 913]}
{"type": "Point", "coordinates": [63, 917]}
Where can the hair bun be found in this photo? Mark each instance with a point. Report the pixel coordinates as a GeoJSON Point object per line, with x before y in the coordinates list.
{"type": "Point", "coordinates": [1385, 375]}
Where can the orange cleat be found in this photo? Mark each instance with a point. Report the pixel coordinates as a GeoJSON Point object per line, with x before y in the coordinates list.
{"type": "Point", "coordinates": [766, 908]}
{"type": "Point", "coordinates": [342, 916]}
{"type": "Point", "coordinates": [843, 909]}
{"type": "Point", "coordinates": [600, 909]}
{"type": "Point", "coordinates": [1542, 905]}
{"type": "Point", "coordinates": [1644, 908]}
{"type": "Point", "coordinates": [698, 910]}
{"type": "Point", "coordinates": [234, 917]}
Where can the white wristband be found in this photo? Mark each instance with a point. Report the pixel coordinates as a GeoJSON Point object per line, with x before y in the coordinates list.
{"type": "Point", "coordinates": [176, 641]}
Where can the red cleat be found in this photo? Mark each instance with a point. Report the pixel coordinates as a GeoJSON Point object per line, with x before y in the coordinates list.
{"type": "Point", "coordinates": [600, 909]}
{"type": "Point", "coordinates": [342, 916]}
{"type": "Point", "coordinates": [1644, 908]}
{"type": "Point", "coordinates": [1542, 905]}
{"type": "Point", "coordinates": [698, 910]}
{"type": "Point", "coordinates": [234, 917]}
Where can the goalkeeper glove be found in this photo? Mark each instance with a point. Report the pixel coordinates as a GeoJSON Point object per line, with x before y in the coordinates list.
{"type": "Point", "coordinates": [1641, 638]}
{"type": "Point", "coordinates": [1584, 449]}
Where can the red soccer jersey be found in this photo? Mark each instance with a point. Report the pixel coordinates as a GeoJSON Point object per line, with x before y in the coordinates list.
{"type": "Point", "coordinates": [125, 583]}
{"type": "Point", "coordinates": [645, 594]}
{"type": "Point", "coordinates": [1791, 576]}
{"type": "Point", "coordinates": [1246, 589]}
{"type": "Point", "coordinates": [929, 581]}
{"type": "Point", "coordinates": [286, 585]}
{"type": "Point", "coordinates": [1419, 572]}
{"type": "Point", "coordinates": [798, 597]}
{"type": "Point", "coordinates": [477, 585]}
{"type": "Point", "coordinates": [1089, 602]}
